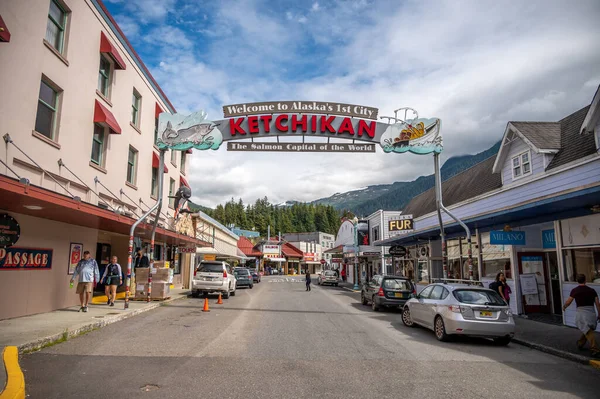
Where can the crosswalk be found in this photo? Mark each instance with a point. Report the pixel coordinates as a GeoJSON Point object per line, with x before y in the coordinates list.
{"type": "Point", "coordinates": [286, 280]}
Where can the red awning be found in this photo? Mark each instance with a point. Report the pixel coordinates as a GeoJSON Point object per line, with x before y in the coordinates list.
{"type": "Point", "coordinates": [4, 33]}
{"type": "Point", "coordinates": [157, 111]}
{"type": "Point", "coordinates": [106, 47]}
{"type": "Point", "coordinates": [189, 151]}
{"type": "Point", "coordinates": [156, 161]}
{"type": "Point", "coordinates": [104, 117]}
{"type": "Point", "coordinates": [183, 182]}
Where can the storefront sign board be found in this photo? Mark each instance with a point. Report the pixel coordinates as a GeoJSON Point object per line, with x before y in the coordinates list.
{"type": "Point", "coordinates": [309, 256]}
{"type": "Point", "coordinates": [75, 255]}
{"type": "Point", "coordinates": [500, 237]}
{"type": "Point", "coordinates": [398, 250]}
{"type": "Point", "coordinates": [318, 107]}
{"type": "Point", "coordinates": [270, 249]}
{"type": "Point", "coordinates": [548, 239]}
{"type": "Point", "coordinates": [186, 250]}
{"type": "Point", "coordinates": [529, 284]}
{"type": "Point", "coordinates": [10, 231]}
{"type": "Point", "coordinates": [15, 258]}
{"type": "Point", "coordinates": [400, 225]}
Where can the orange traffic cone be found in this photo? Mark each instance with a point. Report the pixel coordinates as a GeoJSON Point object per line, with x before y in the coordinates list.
{"type": "Point", "coordinates": [206, 305]}
{"type": "Point", "coordinates": [220, 300]}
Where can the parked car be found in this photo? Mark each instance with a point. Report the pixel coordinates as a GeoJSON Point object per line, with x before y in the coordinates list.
{"type": "Point", "coordinates": [244, 277]}
{"type": "Point", "coordinates": [255, 275]}
{"type": "Point", "coordinates": [461, 309]}
{"type": "Point", "coordinates": [328, 277]}
{"type": "Point", "coordinates": [387, 291]}
{"type": "Point", "coordinates": [213, 276]}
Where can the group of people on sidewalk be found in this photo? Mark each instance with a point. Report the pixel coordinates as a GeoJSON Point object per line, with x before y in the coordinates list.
{"type": "Point", "coordinates": [89, 274]}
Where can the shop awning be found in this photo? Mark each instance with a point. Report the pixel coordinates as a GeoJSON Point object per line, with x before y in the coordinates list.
{"type": "Point", "coordinates": [104, 117]}
{"type": "Point", "coordinates": [183, 182]}
{"type": "Point", "coordinates": [208, 251]}
{"type": "Point", "coordinates": [106, 47]}
{"type": "Point", "coordinates": [19, 198]}
{"type": "Point", "coordinates": [156, 162]}
{"type": "Point", "coordinates": [4, 32]}
{"type": "Point", "coordinates": [311, 262]}
{"type": "Point", "coordinates": [157, 111]}
{"type": "Point", "coordinates": [337, 250]}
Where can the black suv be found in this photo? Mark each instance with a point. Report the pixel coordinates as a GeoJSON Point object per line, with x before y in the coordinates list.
{"type": "Point", "coordinates": [387, 291]}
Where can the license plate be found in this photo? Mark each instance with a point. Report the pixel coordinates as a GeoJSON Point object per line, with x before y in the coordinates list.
{"type": "Point", "coordinates": [399, 295]}
{"type": "Point", "coordinates": [484, 313]}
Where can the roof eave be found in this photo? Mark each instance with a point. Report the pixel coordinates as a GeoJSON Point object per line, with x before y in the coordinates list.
{"type": "Point", "coordinates": [593, 114]}
{"type": "Point", "coordinates": [501, 153]}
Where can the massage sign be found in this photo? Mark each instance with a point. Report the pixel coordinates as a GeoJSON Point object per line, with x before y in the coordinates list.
{"type": "Point", "coordinates": [339, 127]}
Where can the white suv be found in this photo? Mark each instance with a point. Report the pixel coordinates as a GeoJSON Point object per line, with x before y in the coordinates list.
{"type": "Point", "coordinates": [213, 276]}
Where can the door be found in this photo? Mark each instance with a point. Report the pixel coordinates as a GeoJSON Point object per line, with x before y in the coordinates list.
{"type": "Point", "coordinates": [417, 309]}
{"type": "Point", "coordinates": [430, 304]}
{"type": "Point", "coordinates": [534, 264]}
{"type": "Point", "coordinates": [552, 262]}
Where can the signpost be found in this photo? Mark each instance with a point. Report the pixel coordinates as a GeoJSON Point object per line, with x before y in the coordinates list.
{"type": "Point", "coordinates": [398, 250]}
{"type": "Point", "coordinates": [10, 231]}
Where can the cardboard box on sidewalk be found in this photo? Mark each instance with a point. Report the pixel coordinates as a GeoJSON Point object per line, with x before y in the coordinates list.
{"type": "Point", "coordinates": [160, 290]}
{"type": "Point", "coordinates": [141, 274]}
{"type": "Point", "coordinates": [161, 275]}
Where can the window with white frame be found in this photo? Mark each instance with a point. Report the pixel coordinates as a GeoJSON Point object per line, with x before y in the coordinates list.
{"type": "Point", "coordinates": [132, 165]}
{"type": "Point", "coordinates": [154, 187]}
{"type": "Point", "coordinates": [375, 233]}
{"type": "Point", "coordinates": [521, 165]}
{"type": "Point", "coordinates": [171, 192]}
{"type": "Point", "coordinates": [174, 158]}
{"type": "Point", "coordinates": [47, 111]}
{"type": "Point", "coordinates": [183, 158]}
{"type": "Point", "coordinates": [136, 103]}
{"type": "Point", "coordinates": [104, 76]}
{"type": "Point", "coordinates": [57, 25]}
{"type": "Point", "coordinates": [98, 145]}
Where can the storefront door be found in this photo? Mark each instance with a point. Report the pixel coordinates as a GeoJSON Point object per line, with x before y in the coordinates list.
{"type": "Point", "coordinates": [536, 298]}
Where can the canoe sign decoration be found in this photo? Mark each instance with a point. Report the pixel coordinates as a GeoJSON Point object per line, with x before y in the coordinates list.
{"type": "Point", "coordinates": [419, 136]}
{"type": "Point", "coordinates": [245, 124]}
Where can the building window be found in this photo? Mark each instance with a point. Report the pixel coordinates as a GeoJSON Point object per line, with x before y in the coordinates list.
{"type": "Point", "coordinates": [154, 190]}
{"type": "Point", "coordinates": [57, 23]}
{"type": "Point", "coordinates": [172, 192]}
{"type": "Point", "coordinates": [136, 102]}
{"type": "Point", "coordinates": [375, 233]}
{"type": "Point", "coordinates": [183, 159]}
{"type": "Point", "coordinates": [582, 261]}
{"type": "Point", "coordinates": [132, 165]}
{"type": "Point", "coordinates": [47, 111]}
{"type": "Point", "coordinates": [98, 145]}
{"type": "Point", "coordinates": [174, 158]}
{"type": "Point", "coordinates": [104, 76]}
{"type": "Point", "coordinates": [521, 165]}
{"type": "Point", "coordinates": [496, 258]}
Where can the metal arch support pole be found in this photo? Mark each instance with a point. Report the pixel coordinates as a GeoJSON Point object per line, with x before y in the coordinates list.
{"type": "Point", "coordinates": [131, 235]}
{"type": "Point", "coordinates": [439, 206]}
{"type": "Point", "coordinates": [356, 287]}
{"type": "Point", "coordinates": [469, 241]}
{"type": "Point", "coordinates": [161, 171]}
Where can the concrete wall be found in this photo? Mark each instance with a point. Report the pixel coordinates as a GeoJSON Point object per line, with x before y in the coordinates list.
{"type": "Point", "coordinates": [25, 59]}
{"type": "Point", "coordinates": [25, 292]}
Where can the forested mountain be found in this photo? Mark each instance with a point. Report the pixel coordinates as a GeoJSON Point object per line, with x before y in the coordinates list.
{"type": "Point", "coordinates": [295, 218]}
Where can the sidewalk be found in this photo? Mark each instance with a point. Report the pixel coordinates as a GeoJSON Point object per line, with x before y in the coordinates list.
{"type": "Point", "coordinates": [33, 332]}
{"type": "Point", "coordinates": [553, 339]}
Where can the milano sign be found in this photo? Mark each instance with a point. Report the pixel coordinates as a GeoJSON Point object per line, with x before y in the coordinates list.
{"type": "Point", "coordinates": [245, 123]}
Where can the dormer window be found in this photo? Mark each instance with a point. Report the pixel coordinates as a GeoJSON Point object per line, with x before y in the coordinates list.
{"type": "Point", "coordinates": [521, 165]}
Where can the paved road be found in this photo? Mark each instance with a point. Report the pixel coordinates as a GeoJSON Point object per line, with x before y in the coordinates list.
{"type": "Point", "coordinates": [279, 341]}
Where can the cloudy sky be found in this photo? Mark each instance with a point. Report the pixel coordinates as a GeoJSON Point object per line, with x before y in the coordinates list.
{"type": "Point", "coordinates": [474, 64]}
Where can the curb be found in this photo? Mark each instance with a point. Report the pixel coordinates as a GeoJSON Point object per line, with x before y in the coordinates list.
{"type": "Point", "coordinates": [68, 334]}
{"type": "Point", "coordinates": [15, 381]}
{"type": "Point", "coordinates": [557, 352]}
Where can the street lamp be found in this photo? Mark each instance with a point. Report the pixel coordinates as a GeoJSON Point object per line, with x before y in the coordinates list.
{"type": "Point", "coordinates": [356, 287]}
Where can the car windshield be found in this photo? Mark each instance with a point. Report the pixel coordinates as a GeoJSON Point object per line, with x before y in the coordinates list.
{"type": "Point", "coordinates": [397, 284]}
{"type": "Point", "coordinates": [210, 268]}
{"type": "Point", "coordinates": [242, 272]}
{"type": "Point", "coordinates": [479, 297]}
{"type": "Point", "coordinates": [330, 273]}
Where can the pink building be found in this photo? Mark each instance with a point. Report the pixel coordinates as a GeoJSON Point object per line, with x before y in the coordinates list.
{"type": "Point", "coordinates": [78, 163]}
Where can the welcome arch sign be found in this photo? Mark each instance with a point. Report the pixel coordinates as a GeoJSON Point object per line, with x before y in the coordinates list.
{"type": "Point", "coordinates": [244, 125]}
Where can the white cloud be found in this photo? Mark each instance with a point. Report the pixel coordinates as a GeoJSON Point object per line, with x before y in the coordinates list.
{"type": "Point", "coordinates": [128, 26]}
{"type": "Point", "coordinates": [315, 7]}
{"type": "Point", "coordinates": [476, 66]}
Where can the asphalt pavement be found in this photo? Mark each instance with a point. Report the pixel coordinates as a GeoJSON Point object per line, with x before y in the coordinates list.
{"type": "Point", "coordinates": [279, 341]}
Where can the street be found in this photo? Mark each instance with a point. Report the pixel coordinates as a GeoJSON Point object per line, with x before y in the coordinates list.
{"type": "Point", "coordinates": [279, 341]}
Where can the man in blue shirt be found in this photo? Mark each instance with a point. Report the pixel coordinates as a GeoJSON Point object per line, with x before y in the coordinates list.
{"type": "Point", "coordinates": [87, 270]}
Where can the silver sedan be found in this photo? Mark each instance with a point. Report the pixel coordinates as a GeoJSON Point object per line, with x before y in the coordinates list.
{"type": "Point", "coordinates": [460, 309]}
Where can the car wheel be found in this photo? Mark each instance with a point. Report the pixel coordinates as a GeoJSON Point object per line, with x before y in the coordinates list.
{"type": "Point", "coordinates": [232, 293]}
{"type": "Point", "coordinates": [440, 329]}
{"type": "Point", "coordinates": [251, 286]}
{"type": "Point", "coordinates": [336, 284]}
{"type": "Point", "coordinates": [363, 300]}
{"type": "Point", "coordinates": [406, 319]}
{"type": "Point", "coordinates": [227, 293]}
{"type": "Point", "coordinates": [502, 341]}
{"type": "Point", "coordinates": [195, 294]}
{"type": "Point", "coordinates": [374, 305]}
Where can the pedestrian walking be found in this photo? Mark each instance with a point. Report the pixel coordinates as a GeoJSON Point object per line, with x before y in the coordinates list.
{"type": "Point", "coordinates": [586, 318]}
{"type": "Point", "coordinates": [506, 291]}
{"type": "Point", "coordinates": [344, 275]}
{"type": "Point", "coordinates": [498, 285]}
{"type": "Point", "coordinates": [87, 270]}
{"type": "Point", "coordinates": [308, 280]}
{"type": "Point", "coordinates": [112, 278]}
{"type": "Point", "coordinates": [141, 260]}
